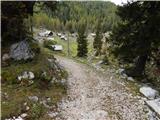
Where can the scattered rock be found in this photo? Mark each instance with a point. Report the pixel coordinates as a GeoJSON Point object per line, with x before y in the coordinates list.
{"type": "Point", "coordinates": [63, 37]}
{"type": "Point", "coordinates": [59, 34]}
{"type": "Point", "coordinates": [130, 79]}
{"type": "Point", "coordinates": [45, 103]}
{"type": "Point", "coordinates": [24, 115]}
{"type": "Point", "coordinates": [14, 118]}
{"type": "Point", "coordinates": [31, 82]}
{"type": "Point", "coordinates": [149, 92]}
{"type": "Point", "coordinates": [48, 99]}
{"type": "Point", "coordinates": [44, 74]}
{"type": "Point", "coordinates": [100, 62]}
{"type": "Point", "coordinates": [120, 71]}
{"type": "Point", "coordinates": [21, 51]}
{"type": "Point", "coordinates": [30, 75]}
{"type": "Point", "coordinates": [50, 38]}
{"type": "Point", "coordinates": [5, 96]}
{"type": "Point", "coordinates": [124, 76]}
{"type": "Point", "coordinates": [27, 108]}
{"type": "Point", "coordinates": [154, 105]}
{"type": "Point", "coordinates": [152, 115]}
{"type": "Point", "coordinates": [26, 75]}
{"type": "Point", "coordinates": [5, 57]}
{"type": "Point", "coordinates": [52, 114]}
{"type": "Point", "coordinates": [57, 47]}
{"type": "Point", "coordinates": [33, 98]}
{"type": "Point", "coordinates": [25, 103]}
{"type": "Point", "coordinates": [63, 81]}
{"type": "Point", "coordinates": [45, 33]}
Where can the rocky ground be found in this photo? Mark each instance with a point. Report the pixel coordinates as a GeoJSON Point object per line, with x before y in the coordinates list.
{"type": "Point", "coordinates": [98, 96]}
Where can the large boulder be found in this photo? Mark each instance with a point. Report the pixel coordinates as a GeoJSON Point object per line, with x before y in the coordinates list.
{"type": "Point", "coordinates": [149, 92]}
{"type": "Point", "coordinates": [21, 51]}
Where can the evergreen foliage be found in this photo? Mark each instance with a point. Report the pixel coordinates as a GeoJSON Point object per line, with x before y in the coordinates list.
{"type": "Point", "coordinates": [68, 14]}
{"type": "Point", "coordinates": [81, 40]}
{"type": "Point", "coordinates": [135, 38]}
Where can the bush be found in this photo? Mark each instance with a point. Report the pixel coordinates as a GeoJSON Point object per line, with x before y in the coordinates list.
{"type": "Point", "coordinates": [48, 43]}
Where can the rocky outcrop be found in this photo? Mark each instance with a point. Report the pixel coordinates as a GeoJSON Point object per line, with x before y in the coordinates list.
{"type": "Point", "coordinates": [21, 51]}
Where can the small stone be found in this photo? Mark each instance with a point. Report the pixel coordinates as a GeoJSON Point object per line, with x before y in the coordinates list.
{"type": "Point", "coordinates": [26, 75]}
{"type": "Point", "coordinates": [30, 75]}
{"type": "Point", "coordinates": [24, 115]}
{"type": "Point", "coordinates": [33, 98]}
{"type": "Point", "coordinates": [48, 99]}
{"type": "Point", "coordinates": [5, 57]}
{"type": "Point", "coordinates": [52, 114]}
{"type": "Point", "coordinates": [130, 79]}
{"type": "Point", "coordinates": [25, 104]}
{"type": "Point", "coordinates": [19, 118]}
{"type": "Point", "coordinates": [27, 108]}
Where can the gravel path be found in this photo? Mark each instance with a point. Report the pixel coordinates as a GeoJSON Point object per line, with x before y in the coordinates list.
{"type": "Point", "coordinates": [98, 96]}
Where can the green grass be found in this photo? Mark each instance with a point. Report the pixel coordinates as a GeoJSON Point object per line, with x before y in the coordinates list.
{"type": "Point", "coordinates": [18, 93]}
{"type": "Point", "coordinates": [72, 46]}
{"type": "Point", "coordinates": [13, 106]}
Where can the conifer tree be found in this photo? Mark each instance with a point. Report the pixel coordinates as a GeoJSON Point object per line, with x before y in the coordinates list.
{"type": "Point", "coordinates": [135, 38]}
{"type": "Point", "coordinates": [82, 49]}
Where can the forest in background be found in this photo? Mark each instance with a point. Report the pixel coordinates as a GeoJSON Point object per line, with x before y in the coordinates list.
{"type": "Point", "coordinates": [68, 14]}
{"type": "Point", "coordinates": [132, 49]}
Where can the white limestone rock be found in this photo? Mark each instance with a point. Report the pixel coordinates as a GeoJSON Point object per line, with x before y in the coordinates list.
{"type": "Point", "coordinates": [21, 51]}
{"type": "Point", "coordinates": [148, 92]}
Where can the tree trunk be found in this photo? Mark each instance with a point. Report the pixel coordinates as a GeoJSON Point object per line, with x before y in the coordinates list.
{"type": "Point", "coordinates": [31, 25]}
{"type": "Point", "coordinates": [139, 67]}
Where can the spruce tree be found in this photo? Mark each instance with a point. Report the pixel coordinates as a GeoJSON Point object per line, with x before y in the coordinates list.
{"type": "Point", "coordinates": [135, 38]}
{"type": "Point", "coordinates": [82, 49]}
{"type": "Point", "coordinates": [97, 43]}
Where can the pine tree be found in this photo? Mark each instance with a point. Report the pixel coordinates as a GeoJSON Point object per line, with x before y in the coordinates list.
{"type": "Point", "coordinates": [82, 49]}
{"type": "Point", "coordinates": [97, 44]}
{"type": "Point", "coordinates": [135, 38]}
